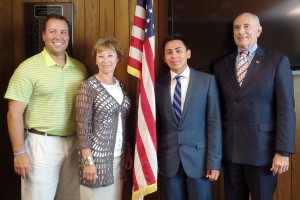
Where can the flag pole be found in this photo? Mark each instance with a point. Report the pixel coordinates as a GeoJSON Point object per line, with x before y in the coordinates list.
{"type": "Point", "coordinates": [141, 65]}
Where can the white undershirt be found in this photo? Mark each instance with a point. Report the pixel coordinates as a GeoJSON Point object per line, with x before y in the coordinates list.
{"type": "Point", "coordinates": [116, 91]}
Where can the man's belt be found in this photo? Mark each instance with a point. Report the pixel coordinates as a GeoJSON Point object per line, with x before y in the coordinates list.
{"type": "Point", "coordinates": [32, 130]}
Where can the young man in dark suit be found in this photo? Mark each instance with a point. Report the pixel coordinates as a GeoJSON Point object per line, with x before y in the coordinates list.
{"type": "Point", "coordinates": [258, 117]}
{"type": "Point", "coordinates": [189, 135]}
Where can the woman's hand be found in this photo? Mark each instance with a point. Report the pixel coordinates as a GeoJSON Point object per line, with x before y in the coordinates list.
{"type": "Point", "coordinates": [90, 174]}
{"type": "Point", "coordinates": [128, 160]}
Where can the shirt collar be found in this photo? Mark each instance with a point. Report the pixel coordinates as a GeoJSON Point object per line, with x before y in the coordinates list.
{"type": "Point", "coordinates": [50, 62]}
{"type": "Point", "coordinates": [185, 73]}
{"type": "Point", "coordinates": [251, 50]}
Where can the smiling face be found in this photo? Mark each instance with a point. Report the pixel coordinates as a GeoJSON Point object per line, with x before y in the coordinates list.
{"type": "Point", "coordinates": [176, 55]}
{"type": "Point", "coordinates": [56, 36]}
{"type": "Point", "coordinates": [246, 30]}
{"type": "Point", "coordinates": [107, 60]}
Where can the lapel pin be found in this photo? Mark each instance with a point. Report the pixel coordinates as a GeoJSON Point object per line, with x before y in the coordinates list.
{"type": "Point", "coordinates": [257, 62]}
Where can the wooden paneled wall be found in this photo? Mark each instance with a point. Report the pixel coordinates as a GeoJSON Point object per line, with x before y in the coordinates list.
{"type": "Point", "coordinates": [8, 181]}
{"type": "Point", "coordinates": [94, 19]}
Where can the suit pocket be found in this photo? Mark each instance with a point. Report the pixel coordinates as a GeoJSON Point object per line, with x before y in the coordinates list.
{"type": "Point", "coordinates": [266, 127]}
{"type": "Point", "coordinates": [200, 146]}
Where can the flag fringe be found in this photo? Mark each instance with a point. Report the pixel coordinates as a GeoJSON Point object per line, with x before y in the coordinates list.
{"type": "Point", "coordinates": [144, 191]}
{"type": "Point", "coordinates": [134, 72]}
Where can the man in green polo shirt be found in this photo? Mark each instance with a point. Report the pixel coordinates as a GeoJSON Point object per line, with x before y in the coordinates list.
{"type": "Point", "coordinates": [41, 118]}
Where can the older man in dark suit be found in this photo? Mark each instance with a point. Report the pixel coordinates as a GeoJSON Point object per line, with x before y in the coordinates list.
{"type": "Point", "coordinates": [188, 126]}
{"type": "Point", "coordinates": [256, 91]}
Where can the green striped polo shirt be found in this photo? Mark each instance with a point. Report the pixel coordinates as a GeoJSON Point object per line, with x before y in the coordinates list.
{"type": "Point", "coordinates": [49, 92]}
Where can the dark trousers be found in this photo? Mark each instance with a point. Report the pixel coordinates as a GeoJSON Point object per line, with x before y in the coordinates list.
{"type": "Point", "coordinates": [182, 187]}
{"type": "Point", "coordinates": [242, 180]}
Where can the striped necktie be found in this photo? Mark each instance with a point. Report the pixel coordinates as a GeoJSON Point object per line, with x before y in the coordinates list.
{"type": "Point", "coordinates": [177, 99]}
{"type": "Point", "coordinates": [242, 67]}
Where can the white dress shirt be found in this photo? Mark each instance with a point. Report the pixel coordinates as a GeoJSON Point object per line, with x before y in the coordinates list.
{"type": "Point", "coordinates": [184, 80]}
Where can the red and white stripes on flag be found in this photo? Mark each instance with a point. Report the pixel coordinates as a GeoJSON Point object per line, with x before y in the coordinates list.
{"type": "Point", "coordinates": [141, 65]}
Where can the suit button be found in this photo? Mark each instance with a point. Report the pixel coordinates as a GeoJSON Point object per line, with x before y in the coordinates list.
{"type": "Point", "coordinates": [251, 102]}
{"type": "Point", "coordinates": [235, 102]}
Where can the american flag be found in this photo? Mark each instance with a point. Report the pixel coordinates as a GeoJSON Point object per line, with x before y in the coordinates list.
{"type": "Point", "coordinates": [141, 65]}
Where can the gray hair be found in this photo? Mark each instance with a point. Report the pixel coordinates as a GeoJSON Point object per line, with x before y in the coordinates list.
{"type": "Point", "coordinates": [254, 16]}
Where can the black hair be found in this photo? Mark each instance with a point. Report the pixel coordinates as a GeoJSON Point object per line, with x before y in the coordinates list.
{"type": "Point", "coordinates": [176, 36]}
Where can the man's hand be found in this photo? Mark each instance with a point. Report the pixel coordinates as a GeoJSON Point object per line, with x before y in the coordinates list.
{"type": "Point", "coordinates": [280, 164]}
{"type": "Point", "coordinates": [22, 162]}
{"type": "Point", "coordinates": [212, 175]}
{"type": "Point", "coordinates": [22, 165]}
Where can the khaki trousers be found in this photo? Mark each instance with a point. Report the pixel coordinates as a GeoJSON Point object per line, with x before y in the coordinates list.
{"type": "Point", "coordinates": [55, 173]}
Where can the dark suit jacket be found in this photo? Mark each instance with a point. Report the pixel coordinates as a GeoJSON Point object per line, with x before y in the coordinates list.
{"type": "Point", "coordinates": [258, 118]}
{"type": "Point", "coordinates": [196, 139]}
